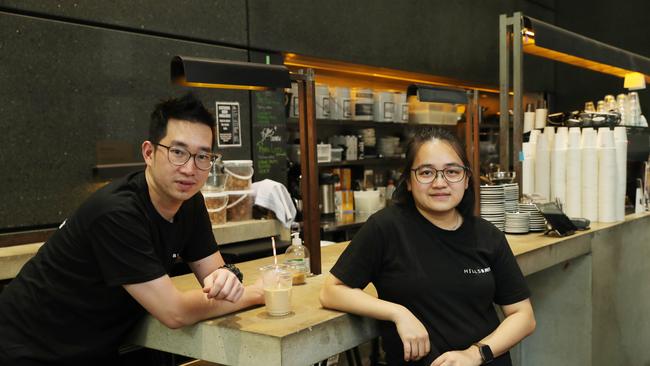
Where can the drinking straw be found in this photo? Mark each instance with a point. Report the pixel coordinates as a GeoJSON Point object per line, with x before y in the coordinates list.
{"type": "Point", "coordinates": [275, 257]}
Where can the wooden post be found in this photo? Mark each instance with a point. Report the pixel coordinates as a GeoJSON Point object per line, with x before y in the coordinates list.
{"type": "Point", "coordinates": [309, 166]}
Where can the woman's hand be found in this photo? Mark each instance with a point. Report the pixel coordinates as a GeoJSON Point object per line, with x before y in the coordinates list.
{"type": "Point", "coordinates": [467, 357]}
{"type": "Point", "coordinates": [413, 334]}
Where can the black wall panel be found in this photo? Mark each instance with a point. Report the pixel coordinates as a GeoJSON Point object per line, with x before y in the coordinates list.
{"type": "Point", "coordinates": [63, 88]}
{"type": "Point", "coordinates": [624, 25]}
{"type": "Point", "coordinates": [222, 21]}
{"type": "Point", "coordinates": [456, 39]}
{"type": "Point", "coordinates": [74, 73]}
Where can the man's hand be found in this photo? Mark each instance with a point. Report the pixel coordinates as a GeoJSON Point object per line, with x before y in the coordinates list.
{"type": "Point", "coordinates": [413, 334]}
{"type": "Point", "coordinates": [223, 285]}
{"type": "Point", "coordinates": [255, 292]}
{"type": "Point", "coordinates": [468, 357]}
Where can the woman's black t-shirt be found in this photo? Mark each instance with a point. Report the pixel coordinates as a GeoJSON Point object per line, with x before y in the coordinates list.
{"type": "Point", "coordinates": [67, 305]}
{"type": "Point", "coordinates": [448, 279]}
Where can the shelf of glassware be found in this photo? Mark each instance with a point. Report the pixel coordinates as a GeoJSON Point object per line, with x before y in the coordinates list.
{"type": "Point", "coordinates": [387, 161]}
{"type": "Point", "coordinates": [238, 231]}
{"type": "Point", "coordinates": [292, 122]}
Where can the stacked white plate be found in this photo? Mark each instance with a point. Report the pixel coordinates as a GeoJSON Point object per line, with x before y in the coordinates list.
{"type": "Point", "coordinates": [537, 221]}
{"type": "Point", "coordinates": [512, 196]}
{"type": "Point", "coordinates": [517, 222]}
{"type": "Point", "coordinates": [493, 205]}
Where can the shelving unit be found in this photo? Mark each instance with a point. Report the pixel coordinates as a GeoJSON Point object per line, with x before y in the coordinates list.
{"type": "Point", "coordinates": [519, 34]}
{"type": "Point", "coordinates": [238, 231]}
{"type": "Point", "coordinates": [327, 126]}
{"type": "Point", "coordinates": [388, 161]}
{"type": "Point", "coordinates": [336, 73]}
{"type": "Point", "coordinates": [291, 122]}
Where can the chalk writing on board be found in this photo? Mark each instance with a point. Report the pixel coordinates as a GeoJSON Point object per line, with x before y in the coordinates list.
{"type": "Point", "coordinates": [269, 135]}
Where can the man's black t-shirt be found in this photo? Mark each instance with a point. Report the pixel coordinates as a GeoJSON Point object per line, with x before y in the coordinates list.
{"type": "Point", "coordinates": [67, 304]}
{"type": "Point", "coordinates": [448, 279]}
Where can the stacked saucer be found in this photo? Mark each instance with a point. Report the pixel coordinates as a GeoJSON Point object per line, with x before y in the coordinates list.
{"type": "Point", "coordinates": [537, 221]}
{"type": "Point", "coordinates": [512, 196]}
{"type": "Point", "coordinates": [493, 205]}
{"type": "Point", "coordinates": [517, 222]}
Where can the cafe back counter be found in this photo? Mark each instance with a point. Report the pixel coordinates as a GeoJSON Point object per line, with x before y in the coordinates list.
{"type": "Point", "coordinates": [590, 293]}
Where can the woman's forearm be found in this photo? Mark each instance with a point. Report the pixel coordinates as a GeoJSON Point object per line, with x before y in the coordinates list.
{"type": "Point", "coordinates": [516, 326]}
{"type": "Point", "coordinates": [353, 300]}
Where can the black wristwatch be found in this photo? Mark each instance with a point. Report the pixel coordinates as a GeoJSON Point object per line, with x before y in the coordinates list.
{"type": "Point", "coordinates": [486, 352]}
{"type": "Point", "coordinates": [232, 268]}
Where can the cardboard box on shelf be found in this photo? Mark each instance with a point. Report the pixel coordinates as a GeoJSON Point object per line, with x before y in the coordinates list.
{"type": "Point", "coordinates": [337, 185]}
{"type": "Point", "coordinates": [347, 201]}
{"type": "Point", "coordinates": [346, 179]}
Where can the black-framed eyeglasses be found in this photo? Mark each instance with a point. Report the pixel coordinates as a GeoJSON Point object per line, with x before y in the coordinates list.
{"type": "Point", "coordinates": [179, 156]}
{"type": "Point", "coordinates": [426, 174]}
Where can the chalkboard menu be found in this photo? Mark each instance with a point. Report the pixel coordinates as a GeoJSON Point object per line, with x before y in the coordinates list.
{"type": "Point", "coordinates": [269, 136]}
{"type": "Point", "coordinates": [228, 124]}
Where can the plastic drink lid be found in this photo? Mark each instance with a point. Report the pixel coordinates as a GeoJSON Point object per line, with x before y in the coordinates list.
{"type": "Point", "coordinates": [238, 163]}
{"type": "Point", "coordinates": [213, 194]}
{"type": "Point", "coordinates": [249, 191]}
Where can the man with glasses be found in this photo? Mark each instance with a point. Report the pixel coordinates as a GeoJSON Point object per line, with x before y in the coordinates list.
{"type": "Point", "coordinates": [77, 299]}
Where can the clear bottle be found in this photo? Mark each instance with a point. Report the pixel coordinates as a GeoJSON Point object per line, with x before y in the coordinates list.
{"type": "Point", "coordinates": [297, 254]}
{"type": "Point", "coordinates": [390, 189]}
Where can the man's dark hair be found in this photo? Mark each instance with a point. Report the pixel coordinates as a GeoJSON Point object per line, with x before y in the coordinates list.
{"type": "Point", "coordinates": [403, 196]}
{"type": "Point", "coordinates": [186, 108]}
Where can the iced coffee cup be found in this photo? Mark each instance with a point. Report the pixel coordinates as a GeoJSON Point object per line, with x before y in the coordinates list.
{"type": "Point", "coordinates": [276, 280]}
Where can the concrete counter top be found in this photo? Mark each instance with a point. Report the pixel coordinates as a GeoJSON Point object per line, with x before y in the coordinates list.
{"type": "Point", "coordinates": [251, 337]}
{"type": "Point", "coordinates": [311, 333]}
{"type": "Point", "coordinates": [13, 258]}
{"type": "Point", "coordinates": [574, 297]}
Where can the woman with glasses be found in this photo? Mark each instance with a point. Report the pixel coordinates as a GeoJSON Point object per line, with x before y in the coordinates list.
{"type": "Point", "coordinates": [437, 268]}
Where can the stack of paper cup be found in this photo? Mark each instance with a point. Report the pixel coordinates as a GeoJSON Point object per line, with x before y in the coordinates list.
{"type": "Point", "coordinates": [558, 165]}
{"type": "Point", "coordinates": [549, 131]}
{"type": "Point", "coordinates": [528, 168]}
{"type": "Point", "coordinates": [573, 207]}
{"type": "Point", "coordinates": [540, 115]}
{"type": "Point", "coordinates": [529, 163]}
{"type": "Point", "coordinates": [589, 179]}
{"type": "Point", "coordinates": [543, 167]}
{"type": "Point", "coordinates": [534, 134]}
{"type": "Point", "coordinates": [607, 191]}
{"type": "Point", "coordinates": [341, 104]}
{"type": "Point", "coordinates": [620, 140]}
{"type": "Point", "coordinates": [529, 118]}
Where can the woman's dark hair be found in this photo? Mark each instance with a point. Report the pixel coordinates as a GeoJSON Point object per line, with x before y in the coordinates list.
{"type": "Point", "coordinates": [403, 196]}
{"type": "Point", "coordinates": [186, 108]}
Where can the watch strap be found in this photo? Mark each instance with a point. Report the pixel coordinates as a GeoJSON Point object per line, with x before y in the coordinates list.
{"type": "Point", "coordinates": [232, 268]}
{"type": "Point", "coordinates": [486, 352]}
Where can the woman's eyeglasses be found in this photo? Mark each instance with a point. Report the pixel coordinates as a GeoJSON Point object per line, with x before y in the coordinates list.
{"type": "Point", "coordinates": [426, 174]}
